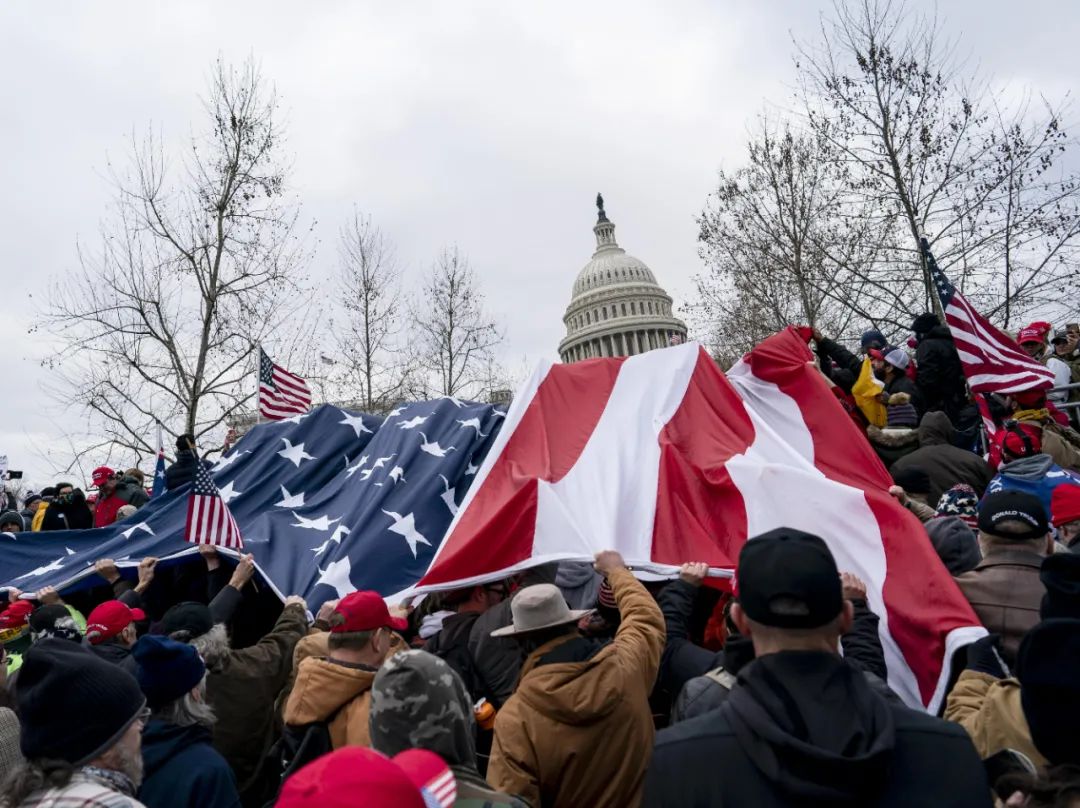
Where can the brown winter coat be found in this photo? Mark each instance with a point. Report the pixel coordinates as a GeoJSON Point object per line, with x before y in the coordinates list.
{"type": "Point", "coordinates": [581, 733]}
{"type": "Point", "coordinates": [1005, 592]}
{"type": "Point", "coordinates": [324, 688]}
{"type": "Point", "coordinates": [242, 690]}
{"type": "Point", "coordinates": [945, 464]}
{"type": "Point", "coordinates": [990, 710]}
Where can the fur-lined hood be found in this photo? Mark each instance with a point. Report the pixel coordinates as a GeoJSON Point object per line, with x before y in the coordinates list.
{"type": "Point", "coordinates": [893, 437]}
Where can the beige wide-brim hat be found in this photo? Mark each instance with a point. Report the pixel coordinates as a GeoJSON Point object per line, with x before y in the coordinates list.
{"type": "Point", "coordinates": [538, 607]}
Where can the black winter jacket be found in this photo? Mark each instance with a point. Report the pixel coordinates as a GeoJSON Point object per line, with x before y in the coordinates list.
{"type": "Point", "coordinates": [804, 728]}
{"type": "Point", "coordinates": [842, 357]}
{"type": "Point", "coordinates": [945, 464]}
{"type": "Point", "coordinates": [183, 770]}
{"type": "Point", "coordinates": [73, 515]}
{"type": "Point", "coordinates": [861, 646]}
{"type": "Point", "coordinates": [940, 376]}
{"type": "Point", "coordinates": [182, 471]}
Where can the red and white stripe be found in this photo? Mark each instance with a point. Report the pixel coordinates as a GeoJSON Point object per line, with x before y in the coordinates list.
{"type": "Point", "coordinates": [667, 460]}
{"type": "Point", "coordinates": [292, 396]}
{"type": "Point", "coordinates": [443, 789]}
{"type": "Point", "coordinates": [993, 362]}
{"type": "Point", "coordinates": [209, 521]}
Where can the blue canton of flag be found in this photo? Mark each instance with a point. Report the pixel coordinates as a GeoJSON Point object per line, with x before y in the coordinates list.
{"type": "Point", "coordinates": [328, 501]}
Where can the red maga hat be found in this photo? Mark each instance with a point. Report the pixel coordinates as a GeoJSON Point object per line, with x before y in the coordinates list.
{"type": "Point", "coordinates": [363, 611]}
{"type": "Point", "coordinates": [109, 619]}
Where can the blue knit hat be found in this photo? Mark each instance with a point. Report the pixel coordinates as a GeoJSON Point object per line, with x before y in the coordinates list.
{"type": "Point", "coordinates": [167, 669]}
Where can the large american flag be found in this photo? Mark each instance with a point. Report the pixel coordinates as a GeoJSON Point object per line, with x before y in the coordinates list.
{"type": "Point", "coordinates": [992, 361]}
{"type": "Point", "coordinates": [281, 394]}
{"type": "Point", "coordinates": [667, 460]}
{"type": "Point", "coordinates": [209, 520]}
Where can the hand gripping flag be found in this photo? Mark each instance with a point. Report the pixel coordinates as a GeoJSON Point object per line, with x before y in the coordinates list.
{"type": "Point", "coordinates": [667, 460]}
{"type": "Point", "coordinates": [281, 394]}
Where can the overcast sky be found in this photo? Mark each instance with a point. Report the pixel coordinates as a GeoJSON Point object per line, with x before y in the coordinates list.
{"type": "Point", "coordinates": [491, 125]}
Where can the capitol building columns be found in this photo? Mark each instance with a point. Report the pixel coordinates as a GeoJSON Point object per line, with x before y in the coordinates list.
{"type": "Point", "coordinates": [617, 308]}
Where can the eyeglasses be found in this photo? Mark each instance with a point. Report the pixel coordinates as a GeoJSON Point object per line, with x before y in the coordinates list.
{"type": "Point", "coordinates": [500, 589]}
{"type": "Point", "coordinates": [144, 716]}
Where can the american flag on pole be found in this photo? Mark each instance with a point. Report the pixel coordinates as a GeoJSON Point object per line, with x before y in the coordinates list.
{"type": "Point", "coordinates": [281, 394]}
{"type": "Point", "coordinates": [992, 361]}
{"type": "Point", "coordinates": [666, 459]}
{"type": "Point", "coordinates": [209, 520]}
{"type": "Point", "coordinates": [159, 468]}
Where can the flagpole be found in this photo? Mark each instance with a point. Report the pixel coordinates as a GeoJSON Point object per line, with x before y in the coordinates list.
{"type": "Point", "coordinates": [258, 365]}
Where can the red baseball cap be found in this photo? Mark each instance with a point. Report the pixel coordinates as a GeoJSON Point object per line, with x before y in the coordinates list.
{"type": "Point", "coordinates": [363, 611]}
{"type": "Point", "coordinates": [109, 619]}
{"type": "Point", "coordinates": [101, 475]}
{"type": "Point", "coordinates": [16, 615]}
{"type": "Point", "coordinates": [416, 778]}
{"type": "Point", "coordinates": [874, 353]}
{"type": "Point", "coordinates": [1065, 504]}
{"type": "Point", "coordinates": [1036, 332]}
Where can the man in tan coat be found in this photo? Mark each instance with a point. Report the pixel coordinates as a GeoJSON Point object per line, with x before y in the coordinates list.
{"type": "Point", "coordinates": [578, 729]}
{"type": "Point", "coordinates": [1004, 588]}
{"type": "Point", "coordinates": [337, 688]}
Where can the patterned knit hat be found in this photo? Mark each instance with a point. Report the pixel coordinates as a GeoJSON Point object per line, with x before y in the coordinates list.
{"type": "Point", "coordinates": [960, 500]}
{"type": "Point", "coordinates": [900, 412]}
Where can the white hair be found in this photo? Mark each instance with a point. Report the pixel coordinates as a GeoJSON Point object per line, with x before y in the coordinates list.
{"type": "Point", "coordinates": [213, 646]}
{"type": "Point", "coordinates": [188, 711]}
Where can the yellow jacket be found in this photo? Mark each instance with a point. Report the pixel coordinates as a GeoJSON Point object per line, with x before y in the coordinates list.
{"type": "Point", "coordinates": [39, 515]}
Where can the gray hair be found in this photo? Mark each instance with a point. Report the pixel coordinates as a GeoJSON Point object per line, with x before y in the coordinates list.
{"type": "Point", "coordinates": [188, 711]}
{"type": "Point", "coordinates": [213, 646]}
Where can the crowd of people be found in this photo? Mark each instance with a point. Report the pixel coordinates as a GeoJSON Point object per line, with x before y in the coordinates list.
{"type": "Point", "coordinates": [577, 684]}
{"type": "Point", "coordinates": [114, 496]}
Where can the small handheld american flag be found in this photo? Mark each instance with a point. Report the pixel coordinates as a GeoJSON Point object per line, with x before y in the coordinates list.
{"type": "Point", "coordinates": [281, 394]}
{"type": "Point", "coordinates": [209, 520]}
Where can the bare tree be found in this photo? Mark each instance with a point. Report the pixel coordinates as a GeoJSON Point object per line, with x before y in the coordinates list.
{"type": "Point", "coordinates": [779, 245]}
{"type": "Point", "coordinates": [370, 361]}
{"type": "Point", "coordinates": [453, 336]}
{"type": "Point", "coordinates": [931, 150]}
{"type": "Point", "coordinates": [195, 267]}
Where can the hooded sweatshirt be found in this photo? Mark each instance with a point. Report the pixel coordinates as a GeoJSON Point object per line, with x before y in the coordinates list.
{"type": "Point", "coordinates": [945, 464]}
{"type": "Point", "coordinates": [804, 728]}
{"type": "Point", "coordinates": [182, 770]}
{"type": "Point", "coordinates": [419, 702]}
{"type": "Point", "coordinates": [1038, 475]}
{"type": "Point", "coordinates": [578, 730]}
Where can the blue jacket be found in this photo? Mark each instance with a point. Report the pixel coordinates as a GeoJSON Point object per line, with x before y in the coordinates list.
{"type": "Point", "coordinates": [182, 770]}
{"type": "Point", "coordinates": [1038, 475]}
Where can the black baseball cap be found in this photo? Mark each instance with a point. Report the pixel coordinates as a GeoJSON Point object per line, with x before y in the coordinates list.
{"type": "Point", "coordinates": [1013, 506]}
{"type": "Point", "coordinates": [190, 616]}
{"type": "Point", "coordinates": [792, 567]}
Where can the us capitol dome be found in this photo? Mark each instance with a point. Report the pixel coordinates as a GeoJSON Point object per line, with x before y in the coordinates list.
{"type": "Point", "coordinates": [617, 307]}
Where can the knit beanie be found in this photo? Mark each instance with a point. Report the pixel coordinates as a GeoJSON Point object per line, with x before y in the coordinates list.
{"type": "Point", "coordinates": [962, 501]}
{"type": "Point", "coordinates": [14, 517]}
{"type": "Point", "coordinates": [167, 669]}
{"type": "Point", "coordinates": [900, 412]}
{"type": "Point", "coordinates": [1048, 667]}
{"type": "Point", "coordinates": [872, 338]}
{"type": "Point", "coordinates": [73, 705]}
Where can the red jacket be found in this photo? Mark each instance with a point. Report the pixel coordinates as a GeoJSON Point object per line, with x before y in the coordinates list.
{"type": "Point", "coordinates": [105, 511]}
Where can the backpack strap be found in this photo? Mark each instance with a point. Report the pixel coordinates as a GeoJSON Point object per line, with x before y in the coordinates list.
{"type": "Point", "coordinates": [722, 677]}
